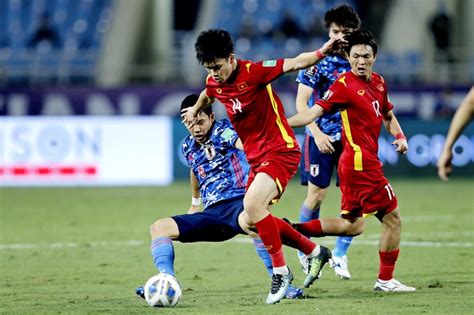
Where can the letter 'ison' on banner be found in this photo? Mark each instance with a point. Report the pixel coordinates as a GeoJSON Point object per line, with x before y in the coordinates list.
{"type": "Point", "coordinates": [85, 151]}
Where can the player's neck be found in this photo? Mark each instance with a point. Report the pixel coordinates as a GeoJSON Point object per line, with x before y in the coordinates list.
{"type": "Point", "coordinates": [367, 77]}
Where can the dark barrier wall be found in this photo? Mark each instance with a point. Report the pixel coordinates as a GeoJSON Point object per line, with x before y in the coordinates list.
{"type": "Point", "coordinates": [421, 102]}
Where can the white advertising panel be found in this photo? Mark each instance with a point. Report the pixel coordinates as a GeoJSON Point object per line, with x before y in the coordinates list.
{"type": "Point", "coordinates": [70, 151]}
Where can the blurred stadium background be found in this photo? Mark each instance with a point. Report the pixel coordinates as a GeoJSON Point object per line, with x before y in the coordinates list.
{"type": "Point", "coordinates": [89, 89]}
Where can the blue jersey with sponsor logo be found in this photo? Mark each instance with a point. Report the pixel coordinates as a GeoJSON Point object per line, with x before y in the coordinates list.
{"type": "Point", "coordinates": [220, 168]}
{"type": "Point", "coordinates": [320, 77]}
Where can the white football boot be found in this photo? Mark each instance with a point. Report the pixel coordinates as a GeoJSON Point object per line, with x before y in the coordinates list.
{"type": "Point", "coordinates": [340, 266]}
{"type": "Point", "coordinates": [392, 285]}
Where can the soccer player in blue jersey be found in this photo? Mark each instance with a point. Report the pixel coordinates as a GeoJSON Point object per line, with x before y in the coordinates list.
{"type": "Point", "coordinates": [322, 146]}
{"type": "Point", "coordinates": [218, 176]}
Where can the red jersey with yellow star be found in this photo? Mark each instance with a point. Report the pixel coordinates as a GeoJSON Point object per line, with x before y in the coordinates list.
{"type": "Point", "coordinates": [254, 109]}
{"type": "Point", "coordinates": [362, 105]}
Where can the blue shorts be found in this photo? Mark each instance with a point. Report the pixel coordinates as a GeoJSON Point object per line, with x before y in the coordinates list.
{"type": "Point", "coordinates": [217, 223]}
{"type": "Point", "coordinates": [317, 167]}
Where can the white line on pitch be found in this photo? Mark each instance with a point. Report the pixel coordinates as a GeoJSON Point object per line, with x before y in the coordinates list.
{"type": "Point", "coordinates": [234, 240]}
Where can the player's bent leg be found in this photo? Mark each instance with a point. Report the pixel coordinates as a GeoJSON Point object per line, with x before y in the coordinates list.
{"type": "Point", "coordinates": [259, 195]}
{"type": "Point", "coordinates": [163, 232]}
{"type": "Point", "coordinates": [309, 211]}
{"type": "Point", "coordinates": [166, 227]}
{"type": "Point", "coordinates": [388, 253]}
{"type": "Point", "coordinates": [391, 231]}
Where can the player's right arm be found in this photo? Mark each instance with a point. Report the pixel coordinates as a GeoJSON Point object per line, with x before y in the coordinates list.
{"type": "Point", "coordinates": [307, 59]}
{"type": "Point", "coordinates": [191, 112]}
{"type": "Point", "coordinates": [323, 141]}
{"type": "Point", "coordinates": [464, 114]}
{"type": "Point", "coordinates": [196, 195]}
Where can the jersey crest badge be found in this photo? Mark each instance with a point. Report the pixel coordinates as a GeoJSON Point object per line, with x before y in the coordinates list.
{"type": "Point", "coordinates": [380, 87]}
{"type": "Point", "coordinates": [242, 86]}
{"type": "Point", "coordinates": [219, 91]}
{"type": "Point", "coordinates": [361, 92]}
{"type": "Point", "coordinates": [210, 151]}
{"type": "Point", "coordinates": [310, 71]}
{"type": "Point", "coordinates": [201, 171]}
{"type": "Point", "coordinates": [314, 170]}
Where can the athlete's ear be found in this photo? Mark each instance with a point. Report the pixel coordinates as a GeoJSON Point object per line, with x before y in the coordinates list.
{"type": "Point", "coordinates": [212, 117]}
{"type": "Point", "coordinates": [231, 58]}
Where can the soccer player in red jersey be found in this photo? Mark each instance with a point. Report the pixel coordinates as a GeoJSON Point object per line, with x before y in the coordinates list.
{"type": "Point", "coordinates": [361, 97]}
{"type": "Point", "coordinates": [257, 115]}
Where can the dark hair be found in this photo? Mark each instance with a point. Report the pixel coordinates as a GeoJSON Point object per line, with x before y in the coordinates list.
{"type": "Point", "coordinates": [190, 100]}
{"type": "Point", "coordinates": [360, 38]}
{"type": "Point", "coordinates": [213, 44]}
{"type": "Point", "coordinates": [342, 15]}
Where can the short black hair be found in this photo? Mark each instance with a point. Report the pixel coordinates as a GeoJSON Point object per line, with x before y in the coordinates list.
{"type": "Point", "coordinates": [342, 15]}
{"type": "Point", "coordinates": [360, 38]}
{"type": "Point", "coordinates": [212, 45]}
{"type": "Point", "coordinates": [190, 100]}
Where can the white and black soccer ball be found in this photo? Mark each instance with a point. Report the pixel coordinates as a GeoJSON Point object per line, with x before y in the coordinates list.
{"type": "Point", "coordinates": [162, 290]}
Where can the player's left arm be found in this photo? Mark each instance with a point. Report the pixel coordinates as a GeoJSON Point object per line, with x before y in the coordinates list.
{"type": "Point", "coordinates": [305, 117]}
{"type": "Point", "coordinates": [196, 195]}
{"type": "Point", "coordinates": [393, 127]}
{"type": "Point", "coordinates": [307, 59]}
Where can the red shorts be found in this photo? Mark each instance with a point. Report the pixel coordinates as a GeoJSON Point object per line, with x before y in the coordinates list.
{"type": "Point", "coordinates": [279, 166]}
{"type": "Point", "coordinates": [365, 193]}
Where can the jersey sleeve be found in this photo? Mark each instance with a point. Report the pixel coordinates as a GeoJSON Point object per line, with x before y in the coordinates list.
{"type": "Point", "coordinates": [228, 136]}
{"type": "Point", "coordinates": [185, 148]}
{"type": "Point", "coordinates": [267, 71]}
{"type": "Point", "coordinates": [387, 105]}
{"type": "Point", "coordinates": [334, 96]}
{"type": "Point", "coordinates": [308, 77]}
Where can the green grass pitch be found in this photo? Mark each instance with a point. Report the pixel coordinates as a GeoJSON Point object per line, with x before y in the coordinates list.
{"type": "Point", "coordinates": [84, 250]}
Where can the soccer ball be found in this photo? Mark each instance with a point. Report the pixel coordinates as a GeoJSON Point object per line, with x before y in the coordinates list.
{"type": "Point", "coordinates": [162, 290]}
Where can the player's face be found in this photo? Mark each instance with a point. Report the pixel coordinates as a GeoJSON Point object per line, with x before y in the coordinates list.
{"type": "Point", "coordinates": [221, 69]}
{"type": "Point", "coordinates": [361, 58]}
{"type": "Point", "coordinates": [338, 32]}
{"type": "Point", "coordinates": [200, 130]}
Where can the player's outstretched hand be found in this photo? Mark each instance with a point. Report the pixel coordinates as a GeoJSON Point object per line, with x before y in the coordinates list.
{"type": "Point", "coordinates": [401, 145]}
{"type": "Point", "coordinates": [445, 167]}
{"type": "Point", "coordinates": [332, 45]}
{"type": "Point", "coordinates": [188, 117]}
{"type": "Point", "coordinates": [323, 143]}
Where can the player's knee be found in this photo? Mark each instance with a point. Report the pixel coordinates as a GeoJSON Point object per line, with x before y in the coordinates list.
{"type": "Point", "coordinates": [159, 228]}
{"type": "Point", "coordinates": [393, 220]}
{"type": "Point", "coordinates": [315, 197]}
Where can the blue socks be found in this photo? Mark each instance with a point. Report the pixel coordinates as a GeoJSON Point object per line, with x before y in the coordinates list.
{"type": "Point", "coordinates": [342, 245]}
{"type": "Point", "coordinates": [307, 214]}
{"type": "Point", "coordinates": [162, 251]}
{"type": "Point", "coordinates": [263, 254]}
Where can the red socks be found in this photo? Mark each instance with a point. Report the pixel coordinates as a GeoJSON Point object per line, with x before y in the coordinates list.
{"type": "Point", "coordinates": [293, 238]}
{"type": "Point", "coordinates": [270, 235]}
{"type": "Point", "coordinates": [311, 228]}
{"type": "Point", "coordinates": [387, 264]}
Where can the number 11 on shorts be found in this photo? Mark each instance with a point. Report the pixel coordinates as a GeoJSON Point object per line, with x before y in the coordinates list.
{"type": "Point", "coordinates": [390, 191]}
